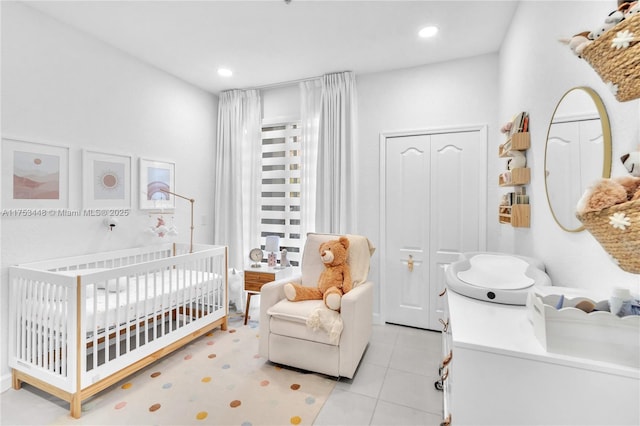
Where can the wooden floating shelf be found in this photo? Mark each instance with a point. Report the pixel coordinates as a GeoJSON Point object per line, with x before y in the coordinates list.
{"type": "Point", "coordinates": [518, 215]}
{"type": "Point", "coordinates": [519, 176]}
{"type": "Point", "coordinates": [518, 142]}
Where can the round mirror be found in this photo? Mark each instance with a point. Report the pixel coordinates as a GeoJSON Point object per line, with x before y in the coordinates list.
{"type": "Point", "coordinates": [577, 152]}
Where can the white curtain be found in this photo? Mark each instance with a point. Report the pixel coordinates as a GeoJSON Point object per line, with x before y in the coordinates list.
{"type": "Point", "coordinates": [310, 97]}
{"type": "Point", "coordinates": [337, 164]}
{"type": "Point", "coordinates": [237, 174]}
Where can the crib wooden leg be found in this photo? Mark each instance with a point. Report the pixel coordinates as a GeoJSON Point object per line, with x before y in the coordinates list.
{"type": "Point", "coordinates": [223, 326]}
{"type": "Point", "coordinates": [76, 406]}
{"type": "Point", "coordinates": [15, 382]}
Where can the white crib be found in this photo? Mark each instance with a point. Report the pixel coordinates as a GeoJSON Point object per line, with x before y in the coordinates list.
{"type": "Point", "coordinates": [81, 324]}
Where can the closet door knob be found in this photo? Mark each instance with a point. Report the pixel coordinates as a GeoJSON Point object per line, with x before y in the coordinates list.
{"type": "Point", "coordinates": [410, 263]}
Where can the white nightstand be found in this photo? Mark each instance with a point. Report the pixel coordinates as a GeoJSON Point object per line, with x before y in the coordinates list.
{"type": "Point", "coordinates": [255, 278]}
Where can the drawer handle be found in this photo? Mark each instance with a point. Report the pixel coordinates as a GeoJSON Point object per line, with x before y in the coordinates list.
{"type": "Point", "coordinates": [445, 375]}
{"type": "Point", "coordinates": [446, 421]}
{"type": "Point", "coordinates": [443, 292]}
{"type": "Point", "coordinates": [410, 263]}
{"type": "Point", "coordinates": [447, 359]}
{"type": "Point", "coordinates": [445, 324]}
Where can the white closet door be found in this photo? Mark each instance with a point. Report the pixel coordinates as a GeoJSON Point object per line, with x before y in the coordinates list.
{"type": "Point", "coordinates": [432, 213]}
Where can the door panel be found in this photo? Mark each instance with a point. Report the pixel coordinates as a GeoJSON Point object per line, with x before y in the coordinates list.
{"type": "Point", "coordinates": [455, 189]}
{"type": "Point", "coordinates": [431, 215]}
{"type": "Point", "coordinates": [407, 230]}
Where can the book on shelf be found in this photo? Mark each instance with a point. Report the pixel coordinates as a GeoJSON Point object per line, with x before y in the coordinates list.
{"type": "Point", "coordinates": [520, 123]}
{"type": "Point", "coordinates": [511, 198]}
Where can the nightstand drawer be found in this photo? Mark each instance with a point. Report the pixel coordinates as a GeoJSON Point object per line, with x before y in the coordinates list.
{"type": "Point", "coordinates": [253, 281]}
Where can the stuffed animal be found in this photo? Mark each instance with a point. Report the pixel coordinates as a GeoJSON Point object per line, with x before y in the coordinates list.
{"type": "Point", "coordinates": [631, 162]}
{"type": "Point", "coordinates": [608, 192]}
{"type": "Point", "coordinates": [601, 195]}
{"type": "Point", "coordinates": [629, 8]}
{"type": "Point", "coordinates": [631, 185]}
{"type": "Point", "coordinates": [611, 21]}
{"type": "Point", "coordinates": [578, 42]}
{"type": "Point", "coordinates": [334, 281]}
{"type": "Point", "coordinates": [517, 160]}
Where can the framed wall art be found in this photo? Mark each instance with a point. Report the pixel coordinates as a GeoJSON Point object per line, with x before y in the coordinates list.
{"type": "Point", "coordinates": [106, 180]}
{"type": "Point", "coordinates": [34, 175]}
{"type": "Point", "coordinates": [156, 177]}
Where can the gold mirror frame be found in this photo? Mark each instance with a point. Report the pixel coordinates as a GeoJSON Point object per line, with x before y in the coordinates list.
{"type": "Point", "coordinates": [606, 137]}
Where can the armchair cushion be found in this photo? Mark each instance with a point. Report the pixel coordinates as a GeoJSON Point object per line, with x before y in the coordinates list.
{"type": "Point", "coordinates": [320, 323]}
{"type": "Point", "coordinates": [294, 311]}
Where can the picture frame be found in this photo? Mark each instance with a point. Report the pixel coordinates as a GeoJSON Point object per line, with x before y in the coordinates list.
{"type": "Point", "coordinates": [155, 177]}
{"type": "Point", "coordinates": [34, 175]}
{"type": "Point", "coordinates": [106, 180]}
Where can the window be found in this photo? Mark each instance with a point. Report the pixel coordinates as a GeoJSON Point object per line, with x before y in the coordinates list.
{"type": "Point", "coordinates": [280, 214]}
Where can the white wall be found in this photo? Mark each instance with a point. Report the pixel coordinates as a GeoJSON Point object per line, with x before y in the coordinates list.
{"type": "Point", "coordinates": [428, 97]}
{"type": "Point", "coordinates": [535, 71]}
{"type": "Point", "coordinates": [62, 87]}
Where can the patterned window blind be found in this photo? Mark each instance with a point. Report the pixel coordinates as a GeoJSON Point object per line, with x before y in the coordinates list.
{"type": "Point", "coordinates": [280, 214]}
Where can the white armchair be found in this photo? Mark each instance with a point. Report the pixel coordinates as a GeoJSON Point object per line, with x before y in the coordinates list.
{"type": "Point", "coordinates": [285, 337]}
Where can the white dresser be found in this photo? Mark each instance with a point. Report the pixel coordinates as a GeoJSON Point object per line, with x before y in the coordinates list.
{"type": "Point", "coordinates": [496, 373]}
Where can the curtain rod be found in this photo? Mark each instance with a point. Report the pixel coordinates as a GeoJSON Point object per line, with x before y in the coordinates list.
{"type": "Point", "coordinates": [284, 83]}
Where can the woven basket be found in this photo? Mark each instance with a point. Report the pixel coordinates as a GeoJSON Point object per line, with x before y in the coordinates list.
{"type": "Point", "coordinates": [622, 244]}
{"type": "Point", "coordinates": [618, 66]}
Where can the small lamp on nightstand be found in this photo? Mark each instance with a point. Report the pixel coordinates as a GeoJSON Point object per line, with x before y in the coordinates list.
{"type": "Point", "coordinates": [272, 245]}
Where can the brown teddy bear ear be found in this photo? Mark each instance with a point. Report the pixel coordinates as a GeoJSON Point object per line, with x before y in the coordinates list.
{"type": "Point", "coordinates": [344, 241]}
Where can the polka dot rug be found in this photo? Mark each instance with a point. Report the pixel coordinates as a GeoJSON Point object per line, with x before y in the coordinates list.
{"type": "Point", "coordinates": [219, 379]}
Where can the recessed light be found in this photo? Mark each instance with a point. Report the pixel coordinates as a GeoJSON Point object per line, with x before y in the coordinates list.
{"type": "Point", "coordinates": [427, 32]}
{"type": "Point", "coordinates": [225, 72]}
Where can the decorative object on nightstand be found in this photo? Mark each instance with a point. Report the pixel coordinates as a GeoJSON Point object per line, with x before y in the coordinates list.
{"type": "Point", "coordinates": [272, 245]}
{"type": "Point", "coordinates": [284, 260]}
{"type": "Point", "coordinates": [256, 255]}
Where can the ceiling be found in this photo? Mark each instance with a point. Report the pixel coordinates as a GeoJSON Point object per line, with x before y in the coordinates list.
{"type": "Point", "coordinates": [268, 42]}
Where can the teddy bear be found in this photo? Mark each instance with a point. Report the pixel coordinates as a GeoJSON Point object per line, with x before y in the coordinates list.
{"type": "Point", "coordinates": [605, 193]}
{"type": "Point", "coordinates": [631, 184]}
{"type": "Point", "coordinates": [333, 282]}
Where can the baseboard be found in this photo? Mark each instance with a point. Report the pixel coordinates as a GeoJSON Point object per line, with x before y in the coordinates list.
{"type": "Point", "coordinates": [377, 319]}
{"type": "Point", "coordinates": [5, 382]}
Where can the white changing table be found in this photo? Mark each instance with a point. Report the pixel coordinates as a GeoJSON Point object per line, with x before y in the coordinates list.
{"type": "Point", "coordinates": [499, 374]}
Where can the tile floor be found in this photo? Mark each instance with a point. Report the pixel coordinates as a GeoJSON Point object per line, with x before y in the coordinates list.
{"type": "Point", "coordinates": [394, 384]}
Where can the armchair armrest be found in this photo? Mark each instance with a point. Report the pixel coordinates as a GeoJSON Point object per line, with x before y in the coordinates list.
{"type": "Point", "coordinates": [270, 294]}
{"type": "Point", "coordinates": [357, 317]}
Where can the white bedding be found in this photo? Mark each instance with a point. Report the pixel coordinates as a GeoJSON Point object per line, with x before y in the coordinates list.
{"type": "Point", "coordinates": [141, 296]}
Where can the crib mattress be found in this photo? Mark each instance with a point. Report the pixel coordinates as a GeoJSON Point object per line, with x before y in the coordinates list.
{"type": "Point", "coordinates": [138, 297]}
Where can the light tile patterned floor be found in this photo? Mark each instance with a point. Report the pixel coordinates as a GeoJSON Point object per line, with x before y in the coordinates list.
{"type": "Point", "coordinates": [394, 384]}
